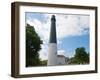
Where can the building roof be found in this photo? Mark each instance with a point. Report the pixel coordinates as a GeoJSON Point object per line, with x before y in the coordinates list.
{"type": "Point", "coordinates": [60, 55]}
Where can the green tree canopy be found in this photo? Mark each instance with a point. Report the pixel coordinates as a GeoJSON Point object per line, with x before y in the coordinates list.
{"type": "Point", "coordinates": [33, 43]}
{"type": "Point", "coordinates": [81, 56]}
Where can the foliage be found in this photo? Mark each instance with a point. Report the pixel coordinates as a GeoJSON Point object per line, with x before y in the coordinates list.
{"type": "Point", "coordinates": [44, 63]}
{"type": "Point", "coordinates": [80, 57]}
{"type": "Point", "coordinates": [33, 43]}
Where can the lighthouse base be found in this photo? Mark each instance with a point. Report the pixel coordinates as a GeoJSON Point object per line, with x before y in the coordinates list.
{"type": "Point", "coordinates": [52, 56]}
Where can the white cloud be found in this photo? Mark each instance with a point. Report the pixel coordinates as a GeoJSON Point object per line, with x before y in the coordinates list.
{"type": "Point", "coordinates": [66, 25]}
{"type": "Point", "coordinates": [42, 28]}
{"type": "Point", "coordinates": [71, 26]}
{"type": "Point", "coordinates": [65, 53]}
{"type": "Point", "coordinates": [44, 52]}
{"type": "Point", "coordinates": [61, 52]}
{"type": "Point", "coordinates": [59, 41]}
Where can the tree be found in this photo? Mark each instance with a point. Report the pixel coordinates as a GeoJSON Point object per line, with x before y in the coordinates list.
{"type": "Point", "coordinates": [33, 43]}
{"type": "Point", "coordinates": [43, 62]}
{"type": "Point", "coordinates": [81, 56]}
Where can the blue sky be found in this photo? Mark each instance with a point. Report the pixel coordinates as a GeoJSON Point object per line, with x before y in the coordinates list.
{"type": "Point", "coordinates": [72, 32]}
{"type": "Point", "coordinates": [71, 43]}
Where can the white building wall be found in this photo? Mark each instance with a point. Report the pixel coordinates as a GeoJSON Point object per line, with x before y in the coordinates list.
{"type": "Point", "coordinates": [61, 60]}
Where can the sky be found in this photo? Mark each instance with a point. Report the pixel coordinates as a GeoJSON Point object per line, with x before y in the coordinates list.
{"type": "Point", "coordinates": [72, 32]}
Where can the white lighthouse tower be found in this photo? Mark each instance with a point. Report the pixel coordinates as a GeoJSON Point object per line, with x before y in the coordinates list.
{"type": "Point", "coordinates": [52, 55]}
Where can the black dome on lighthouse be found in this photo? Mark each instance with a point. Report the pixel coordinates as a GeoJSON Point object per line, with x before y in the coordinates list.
{"type": "Point", "coordinates": [53, 18]}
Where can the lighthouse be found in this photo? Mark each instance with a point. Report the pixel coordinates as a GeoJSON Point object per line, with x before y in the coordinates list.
{"type": "Point", "coordinates": [52, 54]}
